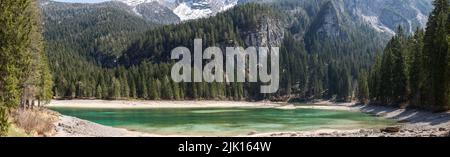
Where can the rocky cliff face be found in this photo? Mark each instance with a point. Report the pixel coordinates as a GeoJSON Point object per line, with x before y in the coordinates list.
{"type": "Point", "coordinates": [329, 22]}
{"type": "Point", "coordinates": [386, 15]}
{"type": "Point", "coordinates": [268, 33]}
{"type": "Point", "coordinates": [383, 16]}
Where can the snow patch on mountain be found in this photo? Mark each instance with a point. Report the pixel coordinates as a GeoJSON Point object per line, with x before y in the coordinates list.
{"type": "Point", "coordinates": [423, 19]}
{"type": "Point", "coordinates": [187, 9]}
{"type": "Point", "coordinates": [229, 6]}
{"type": "Point", "coordinates": [137, 12]}
{"type": "Point", "coordinates": [376, 24]}
{"type": "Point", "coordinates": [134, 3]}
{"type": "Point", "coordinates": [194, 9]}
{"type": "Point", "coordinates": [185, 12]}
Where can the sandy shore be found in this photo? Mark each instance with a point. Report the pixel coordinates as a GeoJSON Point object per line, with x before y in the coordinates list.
{"type": "Point", "coordinates": [413, 123]}
{"type": "Point", "coordinates": [158, 104]}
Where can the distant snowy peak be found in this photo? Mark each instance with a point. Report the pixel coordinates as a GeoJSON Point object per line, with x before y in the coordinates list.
{"type": "Point", "coordinates": [194, 9]}
{"type": "Point", "coordinates": [185, 12]}
{"type": "Point", "coordinates": [187, 9]}
{"type": "Point", "coordinates": [134, 3]}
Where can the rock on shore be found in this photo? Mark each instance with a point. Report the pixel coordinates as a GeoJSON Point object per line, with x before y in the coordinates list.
{"type": "Point", "coordinates": [73, 127]}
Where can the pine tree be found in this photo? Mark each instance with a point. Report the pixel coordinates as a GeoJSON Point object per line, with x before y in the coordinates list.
{"type": "Point", "coordinates": [99, 92]}
{"type": "Point", "coordinates": [115, 89]}
{"type": "Point", "coordinates": [399, 75]}
{"type": "Point", "coordinates": [333, 81]}
{"type": "Point", "coordinates": [435, 53]}
{"type": "Point", "coordinates": [125, 91]}
{"type": "Point", "coordinates": [45, 82]}
{"type": "Point", "coordinates": [375, 80]}
{"type": "Point", "coordinates": [363, 88]}
{"type": "Point", "coordinates": [344, 87]}
{"type": "Point", "coordinates": [416, 72]}
{"type": "Point", "coordinates": [72, 91]}
{"type": "Point", "coordinates": [144, 94]}
{"type": "Point", "coordinates": [133, 92]}
{"type": "Point", "coordinates": [386, 75]}
{"type": "Point", "coordinates": [22, 61]}
{"type": "Point", "coordinates": [176, 91]}
{"type": "Point", "coordinates": [154, 95]}
{"type": "Point", "coordinates": [105, 91]}
{"type": "Point", "coordinates": [167, 92]}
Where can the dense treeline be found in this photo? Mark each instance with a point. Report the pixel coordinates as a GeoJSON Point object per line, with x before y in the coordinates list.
{"type": "Point", "coordinates": [24, 73]}
{"type": "Point", "coordinates": [415, 69]}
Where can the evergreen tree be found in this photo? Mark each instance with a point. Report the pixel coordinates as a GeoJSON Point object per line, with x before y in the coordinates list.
{"type": "Point", "coordinates": [125, 91]}
{"type": "Point", "coordinates": [115, 89]}
{"type": "Point", "coordinates": [23, 65]}
{"type": "Point", "coordinates": [344, 86]}
{"type": "Point", "coordinates": [167, 92]}
{"type": "Point", "coordinates": [363, 88]}
{"type": "Point", "coordinates": [144, 93]}
{"type": "Point", "coordinates": [99, 92]}
{"type": "Point", "coordinates": [72, 91]}
{"type": "Point", "coordinates": [375, 80]}
{"type": "Point", "coordinates": [386, 75]}
{"type": "Point", "coordinates": [416, 72]}
{"type": "Point", "coordinates": [133, 92]}
{"type": "Point", "coordinates": [154, 95]}
{"type": "Point", "coordinates": [436, 55]}
{"type": "Point", "coordinates": [399, 75]}
{"type": "Point", "coordinates": [176, 91]}
{"type": "Point", "coordinates": [45, 80]}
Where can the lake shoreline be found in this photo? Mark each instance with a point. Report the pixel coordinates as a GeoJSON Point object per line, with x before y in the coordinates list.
{"type": "Point", "coordinates": [413, 123]}
{"type": "Point", "coordinates": [139, 104]}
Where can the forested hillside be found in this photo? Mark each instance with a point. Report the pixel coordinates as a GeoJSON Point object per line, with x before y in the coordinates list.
{"type": "Point", "coordinates": [322, 53]}
{"type": "Point", "coordinates": [97, 32]}
{"type": "Point", "coordinates": [414, 69]}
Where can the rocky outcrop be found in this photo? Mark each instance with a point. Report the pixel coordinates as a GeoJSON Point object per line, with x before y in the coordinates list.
{"type": "Point", "coordinates": [385, 15]}
{"type": "Point", "coordinates": [329, 23]}
{"type": "Point", "coordinates": [268, 33]}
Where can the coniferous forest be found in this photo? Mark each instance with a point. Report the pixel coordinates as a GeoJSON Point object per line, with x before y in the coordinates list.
{"type": "Point", "coordinates": [311, 68]}
{"type": "Point", "coordinates": [414, 69]}
{"type": "Point", "coordinates": [24, 71]}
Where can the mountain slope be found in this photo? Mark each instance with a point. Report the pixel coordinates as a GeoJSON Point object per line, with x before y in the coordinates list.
{"type": "Point", "coordinates": [156, 13]}
{"type": "Point", "coordinates": [168, 11]}
{"type": "Point", "coordinates": [385, 16]}
{"type": "Point", "coordinates": [96, 32]}
{"type": "Point", "coordinates": [382, 15]}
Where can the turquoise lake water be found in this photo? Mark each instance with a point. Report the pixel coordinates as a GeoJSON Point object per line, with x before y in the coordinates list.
{"type": "Point", "coordinates": [225, 121]}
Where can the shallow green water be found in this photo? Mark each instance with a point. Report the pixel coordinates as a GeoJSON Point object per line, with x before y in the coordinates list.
{"type": "Point", "coordinates": [225, 121]}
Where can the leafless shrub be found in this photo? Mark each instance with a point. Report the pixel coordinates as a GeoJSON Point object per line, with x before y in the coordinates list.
{"type": "Point", "coordinates": [34, 121]}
